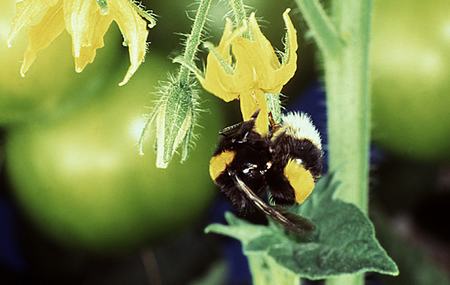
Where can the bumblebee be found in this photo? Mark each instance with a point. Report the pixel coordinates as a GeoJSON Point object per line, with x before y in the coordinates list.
{"type": "Point", "coordinates": [269, 172]}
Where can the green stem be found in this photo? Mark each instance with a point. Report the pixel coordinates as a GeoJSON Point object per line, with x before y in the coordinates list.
{"type": "Point", "coordinates": [345, 49]}
{"type": "Point", "coordinates": [238, 11]}
{"type": "Point", "coordinates": [348, 101]}
{"type": "Point", "coordinates": [194, 39]}
{"type": "Point", "coordinates": [321, 26]}
{"type": "Point", "coordinates": [265, 271]}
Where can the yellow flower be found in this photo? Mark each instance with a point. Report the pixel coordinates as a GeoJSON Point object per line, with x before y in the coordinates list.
{"type": "Point", "coordinates": [245, 66]}
{"type": "Point", "coordinates": [86, 21]}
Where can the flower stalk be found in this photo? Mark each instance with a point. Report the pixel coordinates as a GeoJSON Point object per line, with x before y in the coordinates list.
{"type": "Point", "coordinates": [344, 43]}
{"type": "Point", "coordinates": [240, 15]}
{"type": "Point", "coordinates": [194, 39]}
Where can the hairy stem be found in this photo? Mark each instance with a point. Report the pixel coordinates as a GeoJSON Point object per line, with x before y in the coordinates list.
{"type": "Point", "coordinates": [194, 39]}
{"type": "Point", "coordinates": [345, 48]}
{"type": "Point", "coordinates": [238, 11]}
{"type": "Point", "coordinates": [323, 29]}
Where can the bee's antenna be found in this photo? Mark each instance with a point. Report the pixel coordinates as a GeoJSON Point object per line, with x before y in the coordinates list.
{"type": "Point", "coordinates": [290, 221]}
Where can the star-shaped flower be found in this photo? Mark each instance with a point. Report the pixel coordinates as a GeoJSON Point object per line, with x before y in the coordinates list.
{"type": "Point", "coordinates": [245, 66]}
{"type": "Point", "coordinates": [86, 21]}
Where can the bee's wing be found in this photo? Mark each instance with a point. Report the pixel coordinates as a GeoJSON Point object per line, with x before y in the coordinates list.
{"type": "Point", "coordinates": [290, 221]}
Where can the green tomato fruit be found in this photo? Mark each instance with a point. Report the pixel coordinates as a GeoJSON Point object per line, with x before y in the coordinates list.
{"type": "Point", "coordinates": [411, 67]}
{"type": "Point", "coordinates": [81, 179]}
{"type": "Point", "coordinates": [51, 80]}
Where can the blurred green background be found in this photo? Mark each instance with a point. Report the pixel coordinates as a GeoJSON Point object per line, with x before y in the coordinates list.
{"type": "Point", "coordinates": [78, 205]}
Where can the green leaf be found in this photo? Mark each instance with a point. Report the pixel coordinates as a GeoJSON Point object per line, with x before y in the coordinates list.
{"type": "Point", "coordinates": [238, 229]}
{"type": "Point", "coordinates": [343, 243]}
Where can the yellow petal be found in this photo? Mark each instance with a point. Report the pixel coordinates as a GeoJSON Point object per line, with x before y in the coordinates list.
{"type": "Point", "coordinates": [78, 15]}
{"type": "Point", "coordinates": [255, 58]}
{"type": "Point", "coordinates": [28, 13]}
{"type": "Point", "coordinates": [251, 102]}
{"type": "Point", "coordinates": [100, 26]}
{"type": "Point", "coordinates": [287, 70]}
{"type": "Point", "coordinates": [218, 81]}
{"type": "Point", "coordinates": [265, 49]}
{"type": "Point", "coordinates": [42, 35]}
{"type": "Point", "coordinates": [215, 74]}
{"type": "Point", "coordinates": [134, 30]}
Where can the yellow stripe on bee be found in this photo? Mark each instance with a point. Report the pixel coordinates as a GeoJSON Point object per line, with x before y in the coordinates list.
{"type": "Point", "coordinates": [219, 163]}
{"type": "Point", "coordinates": [300, 179]}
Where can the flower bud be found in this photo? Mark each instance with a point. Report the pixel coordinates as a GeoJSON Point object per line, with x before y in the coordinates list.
{"type": "Point", "coordinates": [174, 118]}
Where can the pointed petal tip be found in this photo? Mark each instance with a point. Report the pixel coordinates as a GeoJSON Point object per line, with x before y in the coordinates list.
{"type": "Point", "coordinates": [286, 17]}
{"type": "Point", "coordinates": [125, 79]}
{"type": "Point", "coordinates": [24, 69]}
{"type": "Point", "coordinates": [27, 62]}
{"type": "Point", "coordinates": [79, 65]}
{"type": "Point", "coordinates": [131, 70]}
{"type": "Point", "coordinates": [10, 39]}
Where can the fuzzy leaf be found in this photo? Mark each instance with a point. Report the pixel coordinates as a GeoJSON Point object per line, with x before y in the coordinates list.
{"type": "Point", "coordinates": [343, 243]}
